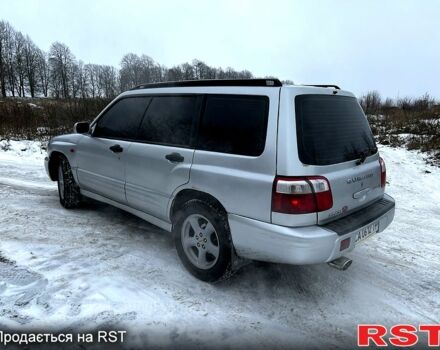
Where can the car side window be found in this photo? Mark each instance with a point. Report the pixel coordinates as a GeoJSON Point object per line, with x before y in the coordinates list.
{"type": "Point", "coordinates": [170, 120]}
{"type": "Point", "coordinates": [235, 124]}
{"type": "Point", "coordinates": [122, 120]}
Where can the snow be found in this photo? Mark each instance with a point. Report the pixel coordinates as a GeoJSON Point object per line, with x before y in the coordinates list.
{"type": "Point", "coordinates": [432, 121]}
{"type": "Point", "coordinates": [33, 105]}
{"type": "Point", "coordinates": [22, 151]}
{"type": "Point", "coordinates": [98, 268]}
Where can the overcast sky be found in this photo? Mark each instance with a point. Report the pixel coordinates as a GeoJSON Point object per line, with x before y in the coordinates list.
{"type": "Point", "coordinates": [390, 46]}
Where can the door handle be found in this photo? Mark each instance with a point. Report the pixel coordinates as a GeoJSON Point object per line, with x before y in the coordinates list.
{"type": "Point", "coordinates": [116, 149]}
{"type": "Point", "coordinates": [175, 157]}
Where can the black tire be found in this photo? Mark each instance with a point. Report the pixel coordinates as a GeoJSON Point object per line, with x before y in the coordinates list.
{"type": "Point", "coordinates": [68, 189]}
{"type": "Point", "coordinates": [222, 267]}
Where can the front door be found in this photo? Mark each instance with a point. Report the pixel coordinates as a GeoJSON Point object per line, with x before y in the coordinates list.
{"type": "Point", "coordinates": [101, 166]}
{"type": "Point", "coordinates": [102, 156]}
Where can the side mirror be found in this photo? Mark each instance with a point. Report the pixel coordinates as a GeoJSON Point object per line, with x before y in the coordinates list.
{"type": "Point", "coordinates": [81, 127]}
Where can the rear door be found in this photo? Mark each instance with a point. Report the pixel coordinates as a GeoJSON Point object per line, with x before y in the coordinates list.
{"type": "Point", "coordinates": [160, 159]}
{"type": "Point", "coordinates": [334, 140]}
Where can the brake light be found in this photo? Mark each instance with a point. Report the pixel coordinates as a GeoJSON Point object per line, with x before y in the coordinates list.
{"type": "Point", "coordinates": [301, 195]}
{"type": "Point", "coordinates": [383, 172]}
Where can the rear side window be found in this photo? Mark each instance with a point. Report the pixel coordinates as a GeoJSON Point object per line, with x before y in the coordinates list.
{"type": "Point", "coordinates": [234, 124]}
{"type": "Point", "coordinates": [170, 120]}
{"type": "Point", "coordinates": [122, 120]}
{"type": "Point", "coordinates": [331, 129]}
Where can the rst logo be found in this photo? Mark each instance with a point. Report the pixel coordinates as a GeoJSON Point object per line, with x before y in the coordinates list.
{"type": "Point", "coordinates": [401, 335]}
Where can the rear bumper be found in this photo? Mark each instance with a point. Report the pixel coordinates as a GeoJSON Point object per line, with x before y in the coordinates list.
{"type": "Point", "coordinates": [263, 241]}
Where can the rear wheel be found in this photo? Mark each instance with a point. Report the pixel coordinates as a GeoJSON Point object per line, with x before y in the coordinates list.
{"type": "Point", "coordinates": [202, 239]}
{"type": "Point", "coordinates": [68, 189]}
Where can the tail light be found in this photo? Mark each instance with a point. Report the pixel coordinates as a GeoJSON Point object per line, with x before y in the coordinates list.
{"type": "Point", "coordinates": [383, 172]}
{"type": "Point", "coordinates": [301, 195]}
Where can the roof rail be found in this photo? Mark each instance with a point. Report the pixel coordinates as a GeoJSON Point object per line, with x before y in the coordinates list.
{"type": "Point", "coordinates": [212, 82]}
{"type": "Point", "coordinates": [324, 86]}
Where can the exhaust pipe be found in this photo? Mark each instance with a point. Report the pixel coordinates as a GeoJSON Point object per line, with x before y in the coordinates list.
{"type": "Point", "coordinates": [341, 263]}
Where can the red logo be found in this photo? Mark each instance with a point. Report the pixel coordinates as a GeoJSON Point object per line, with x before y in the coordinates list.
{"type": "Point", "coordinates": [401, 335]}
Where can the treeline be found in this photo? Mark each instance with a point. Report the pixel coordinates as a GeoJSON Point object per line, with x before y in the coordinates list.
{"type": "Point", "coordinates": [410, 122]}
{"type": "Point", "coordinates": [374, 104]}
{"type": "Point", "coordinates": [27, 70]}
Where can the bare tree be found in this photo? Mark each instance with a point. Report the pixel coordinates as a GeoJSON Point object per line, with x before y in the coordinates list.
{"type": "Point", "coordinates": [75, 79]}
{"type": "Point", "coordinates": [423, 103]}
{"type": "Point", "coordinates": [9, 57]}
{"type": "Point", "coordinates": [202, 70]}
{"type": "Point", "coordinates": [82, 80]}
{"type": "Point", "coordinates": [389, 103]}
{"type": "Point", "coordinates": [187, 71]}
{"type": "Point", "coordinates": [3, 25]}
{"type": "Point", "coordinates": [20, 62]}
{"type": "Point", "coordinates": [108, 81]}
{"type": "Point", "coordinates": [130, 71]}
{"type": "Point", "coordinates": [371, 102]}
{"type": "Point", "coordinates": [31, 57]}
{"type": "Point", "coordinates": [147, 70]}
{"type": "Point", "coordinates": [245, 74]}
{"type": "Point", "coordinates": [61, 63]}
{"type": "Point", "coordinates": [173, 74]}
{"type": "Point", "coordinates": [92, 77]}
{"type": "Point", "coordinates": [43, 72]}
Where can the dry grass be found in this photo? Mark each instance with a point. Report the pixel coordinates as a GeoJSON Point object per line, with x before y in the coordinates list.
{"type": "Point", "coordinates": [42, 118]}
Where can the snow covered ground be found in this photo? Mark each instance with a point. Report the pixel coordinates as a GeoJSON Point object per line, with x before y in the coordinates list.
{"type": "Point", "coordinates": [99, 268]}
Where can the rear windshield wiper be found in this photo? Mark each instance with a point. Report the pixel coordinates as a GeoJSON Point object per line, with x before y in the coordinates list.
{"type": "Point", "coordinates": [362, 155]}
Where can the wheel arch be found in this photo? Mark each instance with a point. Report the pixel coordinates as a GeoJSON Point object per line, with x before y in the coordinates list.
{"type": "Point", "coordinates": [54, 162]}
{"type": "Point", "coordinates": [187, 194]}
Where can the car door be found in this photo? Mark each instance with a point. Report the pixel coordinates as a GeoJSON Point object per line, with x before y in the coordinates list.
{"type": "Point", "coordinates": [160, 160]}
{"type": "Point", "coordinates": [102, 154]}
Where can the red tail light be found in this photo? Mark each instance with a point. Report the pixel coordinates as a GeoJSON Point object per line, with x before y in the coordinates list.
{"type": "Point", "coordinates": [301, 195]}
{"type": "Point", "coordinates": [383, 172]}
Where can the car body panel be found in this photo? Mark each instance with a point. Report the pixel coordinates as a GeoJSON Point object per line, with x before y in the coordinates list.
{"type": "Point", "coordinates": [151, 179]}
{"type": "Point", "coordinates": [66, 145]}
{"type": "Point", "coordinates": [312, 244]}
{"type": "Point", "coordinates": [99, 169]}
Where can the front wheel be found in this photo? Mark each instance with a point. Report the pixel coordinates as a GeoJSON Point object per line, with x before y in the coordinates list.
{"type": "Point", "coordinates": [68, 189]}
{"type": "Point", "coordinates": [203, 241]}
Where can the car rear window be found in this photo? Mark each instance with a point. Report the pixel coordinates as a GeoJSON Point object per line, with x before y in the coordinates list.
{"type": "Point", "coordinates": [331, 129]}
{"type": "Point", "coordinates": [234, 124]}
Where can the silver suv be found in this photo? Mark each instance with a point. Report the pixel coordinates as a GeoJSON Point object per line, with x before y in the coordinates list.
{"type": "Point", "coordinates": [242, 168]}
